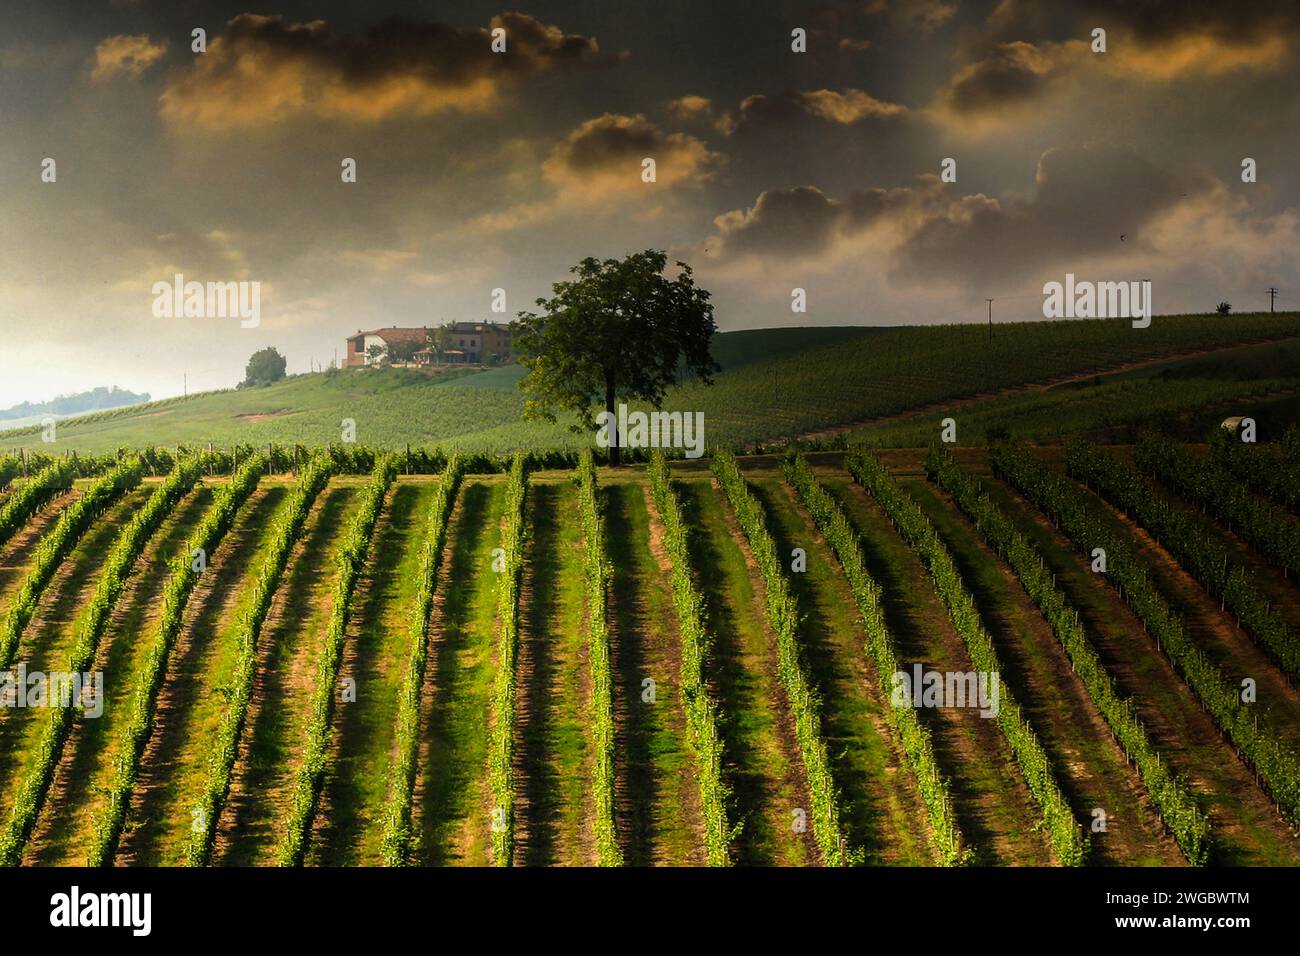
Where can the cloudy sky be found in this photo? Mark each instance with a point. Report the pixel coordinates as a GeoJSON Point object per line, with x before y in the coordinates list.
{"type": "Point", "coordinates": [479, 170]}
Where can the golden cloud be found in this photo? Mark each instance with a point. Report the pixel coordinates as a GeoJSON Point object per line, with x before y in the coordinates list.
{"type": "Point", "coordinates": [124, 55]}
{"type": "Point", "coordinates": [264, 70]}
{"type": "Point", "coordinates": [604, 156]}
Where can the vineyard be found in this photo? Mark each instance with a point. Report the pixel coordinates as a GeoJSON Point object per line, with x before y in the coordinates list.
{"type": "Point", "coordinates": [774, 384]}
{"type": "Point", "coordinates": [409, 659]}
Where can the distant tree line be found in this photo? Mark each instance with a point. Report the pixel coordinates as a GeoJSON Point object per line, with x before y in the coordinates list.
{"type": "Point", "coordinates": [97, 399]}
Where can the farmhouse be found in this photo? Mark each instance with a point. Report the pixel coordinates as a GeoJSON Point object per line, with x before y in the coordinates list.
{"type": "Point", "coordinates": [359, 345]}
{"type": "Point", "coordinates": [471, 343]}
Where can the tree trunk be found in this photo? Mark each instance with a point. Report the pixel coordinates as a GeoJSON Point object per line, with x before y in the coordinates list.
{"type": "Point", "coordinates": [614, 437]}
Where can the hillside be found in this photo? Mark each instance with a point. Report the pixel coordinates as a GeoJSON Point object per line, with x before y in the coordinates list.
{"type": "Point", "coordinates": [775, 383]}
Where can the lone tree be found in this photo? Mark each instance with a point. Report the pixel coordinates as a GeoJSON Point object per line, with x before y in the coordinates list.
{"type": "Point", "coordinates": [265, 366]}
{"type": "Point", "coordinates": [618, 330]}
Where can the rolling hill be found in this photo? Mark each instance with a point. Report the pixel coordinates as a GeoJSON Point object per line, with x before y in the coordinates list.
{"type": "Point", "coordinates": [775, 384]}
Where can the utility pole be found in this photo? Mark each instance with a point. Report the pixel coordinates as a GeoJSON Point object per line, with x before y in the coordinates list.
{"type": "Point", "coordinates": [990, 302]}
{"type": "Point", "coordinates": [185, 384]}
{"type": "Point", "coordinates": [1272, 296]}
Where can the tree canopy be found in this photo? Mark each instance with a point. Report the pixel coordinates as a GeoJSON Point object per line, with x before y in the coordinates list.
{"type": "Point", "coordinates": [617, 331]}
{"type": "Point", "coordinates": [264, 367]}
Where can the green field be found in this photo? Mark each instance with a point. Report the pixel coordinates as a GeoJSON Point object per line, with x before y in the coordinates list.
{"type": "Point", "coordinates": [701, 667]}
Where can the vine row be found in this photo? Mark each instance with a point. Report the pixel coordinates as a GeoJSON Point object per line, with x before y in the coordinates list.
{"type": "Point", "coordinates": [397, 840]}
{"type": "Point", "coordinates": [58, 544]}
{"type": "Point", "coordinates": [596, 574]}
{"type": "Point", "coordinates": [701, 711]}
{"type": "Point", "coordinates": [1065, 503]}
{"type": "Point", "coordinates": [936, 792]}
{"type": "Point", "coordinates": [805, 704]}
{"type": "Point", "coordinates": [1171, 795]}
{"type": "Point", "coordinates": [501, 768]}
{"type": "Point", "coordinates": [1199, 549]}
{"type": "Point", "coordinates": [92, 623]}
{"type": "Point", "coordinates": [180, 584]}
{"type": "Point", "coordinates": [288, 527]}
{"type": "Point", "coordinates": [351, 559]}
{"type": "Point", "coordinates": [25, 500]}
{"type": "Point", "coordinates": [1068, 840]}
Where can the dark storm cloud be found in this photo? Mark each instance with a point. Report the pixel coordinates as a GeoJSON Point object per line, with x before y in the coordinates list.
{"type": "Point", "coordinates": [877, 14]}
{"type": "Point", "coordinates": [1235, 22]}
{"type": "Point", "coordinates": [609, 150]}
{"type": "Point", "coordinates": [1030, 47]}
{"type": "Point", "coordinates": [265, 68]}
{"type": "Point", "coordinates": [844, 107]}
{"type": "Point", "coordinates": [1011, 74]}
{"type": "Point", "coordinates": [1087, 198]}
{"type": "Point", "coordinates": [803, 221]}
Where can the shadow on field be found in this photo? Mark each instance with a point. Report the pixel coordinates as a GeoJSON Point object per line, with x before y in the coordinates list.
{"type": "Point", "coordinates": [751, 789]}
{"type": "Point", "coordinates": [447, 795]}
{"type": "Point", "coordinates": [537, 662]}
{"type": "Point", "coordinates": [635, 787]}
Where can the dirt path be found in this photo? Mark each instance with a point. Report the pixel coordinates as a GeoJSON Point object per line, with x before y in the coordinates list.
{"type": "Point", "coordinates": [994, 808]}
{"type": "Point", "coordinates": [191, 702]}
{"type": "Point", "coordinates": [878, 794]}
{"type": "Point", "coordinates": [65, 832]}
{"type": "Point", "coordinates": [17, 553]}
{"type": "Point", "coordinates": [452, 804]}
{"type": "Point", "coordinates": [1247, 828]}
{"type": "Point", "coordinates": [270, 753]}
{"type": "Point", "coordinates": [554, 809]}
{"type": "Point", "coordinates": [1093, 771]}
{"type": "Point", "coordinates": [656, 798]}
{"type": "Point", "coordinates": [349, 823]}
